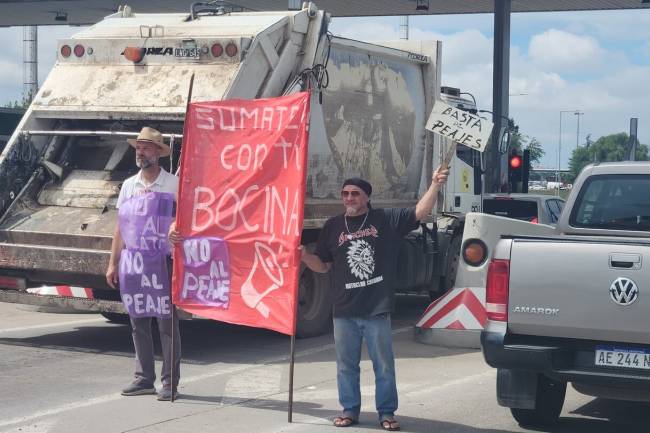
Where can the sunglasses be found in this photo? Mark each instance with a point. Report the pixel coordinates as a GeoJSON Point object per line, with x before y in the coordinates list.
{"type": "Point", "coordinates": [350, 193]}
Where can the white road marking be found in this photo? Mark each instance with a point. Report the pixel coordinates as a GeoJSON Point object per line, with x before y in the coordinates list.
{"type": "Point", "coordinates": [368, 390]}
{"type": "Point", "coordinates": [492, 372]}
{"type": "Point", "coordinates": [112, 397]}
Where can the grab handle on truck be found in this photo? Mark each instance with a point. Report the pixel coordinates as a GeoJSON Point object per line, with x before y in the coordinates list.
{"type": "Point", "coordinates": [198, 7]}
{"type": "Point", "coordinates": [625, 261]}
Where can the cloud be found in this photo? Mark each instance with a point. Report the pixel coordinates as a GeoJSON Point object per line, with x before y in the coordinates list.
{"type": "Point", "coordinates": [556, 70]}
{"type": "Point", "coordinates": [11, 76]}
{"type": "Point", "coordinates": [613, 25]}
{"type": "Point", "coordinates": [557, 50]}
{"type": "Point", "coordinates": [467, 54]}
{"type": "Point", "coordinates": [365, 30]}
{"type": "Point", "coordinates": [643, 50]}
{"type": "Point", "coordinates": [593, 61]}
{"type": "Point", "coordinates": [460, 48]}
{"type": "Point", "coordinates": [11, 68]}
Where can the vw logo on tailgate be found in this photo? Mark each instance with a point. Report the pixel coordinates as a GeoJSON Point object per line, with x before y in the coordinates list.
{"type": "Point", "coordinates": [624, 291]}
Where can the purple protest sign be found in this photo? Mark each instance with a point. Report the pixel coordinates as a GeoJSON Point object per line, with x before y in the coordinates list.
{"type": "Point", "coordinates": [144, 221]}
{"type": "Point", "coordinates": [206, 272]}
{"type": "Point", "coordinates": [144, 284]}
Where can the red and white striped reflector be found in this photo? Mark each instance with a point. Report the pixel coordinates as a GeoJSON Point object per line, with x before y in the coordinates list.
{"type": "Point", "coordinates": [69, 291]}
{"type": "Point", "coordinates": [460, 308]}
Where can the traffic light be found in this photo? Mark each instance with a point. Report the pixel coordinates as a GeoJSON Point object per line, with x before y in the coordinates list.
{"type": "Point", "coordinates": [515, 163]}
{"type": "Point", "coordinates": [518, 170]}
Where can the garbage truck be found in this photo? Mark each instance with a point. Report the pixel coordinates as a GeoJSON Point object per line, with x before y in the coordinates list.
{"type": "Point", "coordinates": [61, 171]}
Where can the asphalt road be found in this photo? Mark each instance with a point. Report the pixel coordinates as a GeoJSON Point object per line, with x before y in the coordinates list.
{"type": "Point", "coordinates": [63, 373]}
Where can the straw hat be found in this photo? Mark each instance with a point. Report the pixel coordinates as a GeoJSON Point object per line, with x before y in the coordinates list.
{"type": "Point", "coordinates": [150, 135]}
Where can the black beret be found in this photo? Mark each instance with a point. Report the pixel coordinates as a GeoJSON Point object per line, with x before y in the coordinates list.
{"type": "Point", "coordinates": [360, 183]}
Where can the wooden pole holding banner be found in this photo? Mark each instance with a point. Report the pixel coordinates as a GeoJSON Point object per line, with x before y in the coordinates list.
{"type": "Point", "coordinates": [291, 364]}
{"type": "Point", "coordinates": [292, 358]}
{"type": "Point", "coordinates": [187, 108]}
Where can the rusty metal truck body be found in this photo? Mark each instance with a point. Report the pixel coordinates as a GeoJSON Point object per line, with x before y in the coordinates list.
{"type": "Point", "coordinates": [62, 169]}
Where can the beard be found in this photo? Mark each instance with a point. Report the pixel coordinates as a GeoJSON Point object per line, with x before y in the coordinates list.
{"type": "Point", "coordinates": [352, 210]}
{"type": "Point", "coordinates": [144, 163]}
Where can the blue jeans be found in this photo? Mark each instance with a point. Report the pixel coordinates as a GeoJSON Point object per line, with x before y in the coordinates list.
{"type": "Point", "coordinates": [348, 335]}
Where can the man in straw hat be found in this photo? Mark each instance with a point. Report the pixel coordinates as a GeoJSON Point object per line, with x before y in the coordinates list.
{"type": "Point", "coordinates": [360, 246]}
{"type": "Point", "coordinates": [149, 147]}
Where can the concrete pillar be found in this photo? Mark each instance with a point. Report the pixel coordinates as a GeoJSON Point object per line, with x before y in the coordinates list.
{"type": "Point", "coordinates": [496, 173]}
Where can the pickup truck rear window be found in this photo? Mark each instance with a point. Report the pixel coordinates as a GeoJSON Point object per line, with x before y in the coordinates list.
{"type": "Point", "coordinates": [525, 210]}
{"type": "Point", "coordinates": [613, 202]}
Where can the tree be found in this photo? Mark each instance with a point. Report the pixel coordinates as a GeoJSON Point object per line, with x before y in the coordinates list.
{"type": "Point", "coordinates": [15, 104]}
{"type": "Point", "coordinates": [536, 150]}
{"type": "Point", "coordinates": [608, 148]}
{"type": "Point", "coordinates": [521, 141]}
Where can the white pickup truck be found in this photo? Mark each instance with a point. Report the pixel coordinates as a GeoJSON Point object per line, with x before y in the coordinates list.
{"type": "Point", "coordinates": [574, 307]}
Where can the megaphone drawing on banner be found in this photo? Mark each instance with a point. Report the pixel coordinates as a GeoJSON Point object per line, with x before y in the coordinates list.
{"type": "Point", "coordinates": [270, 270]}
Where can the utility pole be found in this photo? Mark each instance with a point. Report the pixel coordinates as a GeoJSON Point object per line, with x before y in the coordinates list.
{"type": "Point", "coordinates": [559, 145]}
{"type": "Point", "coordinates": [30, 63]}
{"type": "Point", "coordinates": [631, 146]}
{"type": "Point", "coordinates": [559, 154]}
{"type": "Point", "coordinates": [404, 27]}
{"type": "Point", "coordinates": [578, 113]}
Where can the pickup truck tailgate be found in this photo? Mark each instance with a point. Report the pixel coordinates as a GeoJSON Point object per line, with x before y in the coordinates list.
{"type": "Point", "coordinates": [596, 289]}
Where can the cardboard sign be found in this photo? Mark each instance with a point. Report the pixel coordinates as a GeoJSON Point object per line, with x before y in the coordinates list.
{"type": "Point", "coordinates": [240, 210]}
{"type": "Point", "coordinates": [144, 221]}
{"type": "Point", "coordinates": [206, 276]}
{"type": "Point", "coordinates": [459, 125]}
{"type": "Point", "coordinates": [144, 284]}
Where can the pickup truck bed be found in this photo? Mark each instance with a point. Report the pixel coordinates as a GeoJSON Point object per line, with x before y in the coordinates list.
{"type": "Point", "coordinates": [574, 307]}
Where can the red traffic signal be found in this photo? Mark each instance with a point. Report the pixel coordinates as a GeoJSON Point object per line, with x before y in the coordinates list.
{"type": "Point", "coordinates": [518, 171]}
{"type": "Point", "coordinates": [515, 162]}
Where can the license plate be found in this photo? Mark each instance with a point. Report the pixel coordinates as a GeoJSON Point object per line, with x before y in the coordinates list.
{"type": "Point", "coordinates": [187, 53]}
{"type": "Point", "coordinates": [609, 356]}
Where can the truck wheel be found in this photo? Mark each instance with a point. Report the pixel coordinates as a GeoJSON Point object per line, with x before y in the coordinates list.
{"type": "Point", "coordinates": [447, 282]}
{"type": "Point", "coordinates": [314, 304]}
{"type": "Point", "coordinates": [122, 319]}
{"type": "Point", "coordinates": [548, 404]}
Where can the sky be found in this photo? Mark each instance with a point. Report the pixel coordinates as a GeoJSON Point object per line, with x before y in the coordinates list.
{"type": "Point", "coordinates": [594, 62]}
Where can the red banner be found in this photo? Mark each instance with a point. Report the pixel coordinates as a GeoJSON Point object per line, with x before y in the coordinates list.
{"type": "Point", "coordinates": [240, 210]}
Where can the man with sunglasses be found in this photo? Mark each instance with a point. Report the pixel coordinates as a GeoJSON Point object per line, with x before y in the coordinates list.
{"type": "Point", "coordinates": [360, 246]}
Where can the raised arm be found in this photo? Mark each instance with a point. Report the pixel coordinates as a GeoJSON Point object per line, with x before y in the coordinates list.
{"type": "Point", "coordinates": [428, 200]}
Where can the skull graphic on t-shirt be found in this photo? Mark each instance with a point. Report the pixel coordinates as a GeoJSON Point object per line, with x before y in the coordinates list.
{"type": "Point", "coordinates": [361, 259]}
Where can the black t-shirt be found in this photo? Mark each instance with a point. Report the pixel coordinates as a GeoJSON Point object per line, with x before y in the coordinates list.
{"type": "Point", "coordinates": [364, 259]}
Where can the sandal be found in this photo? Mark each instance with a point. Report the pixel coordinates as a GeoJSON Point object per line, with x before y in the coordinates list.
{"type": "Point", "coordinates": [344, 421]}
{"type": "Point", "coordinates": [389, 424]}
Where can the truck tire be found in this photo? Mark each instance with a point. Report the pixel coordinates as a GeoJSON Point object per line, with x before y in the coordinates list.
{"type": "Point", "coordinates": [314, 304]}
{"type": "Point", "coordinates": [122, 319]}
{"type": "Point", "coordinates": [453, 257]}
{"type": "Point", "coordinates": [548, 404]}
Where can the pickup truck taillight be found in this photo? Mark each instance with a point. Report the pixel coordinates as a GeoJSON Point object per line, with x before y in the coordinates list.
{"type": "Point", "coordinates": [496, 296]}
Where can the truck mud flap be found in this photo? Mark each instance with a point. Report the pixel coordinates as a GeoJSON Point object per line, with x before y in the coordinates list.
{"type": "Point", "coordinates": [79, 304]}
